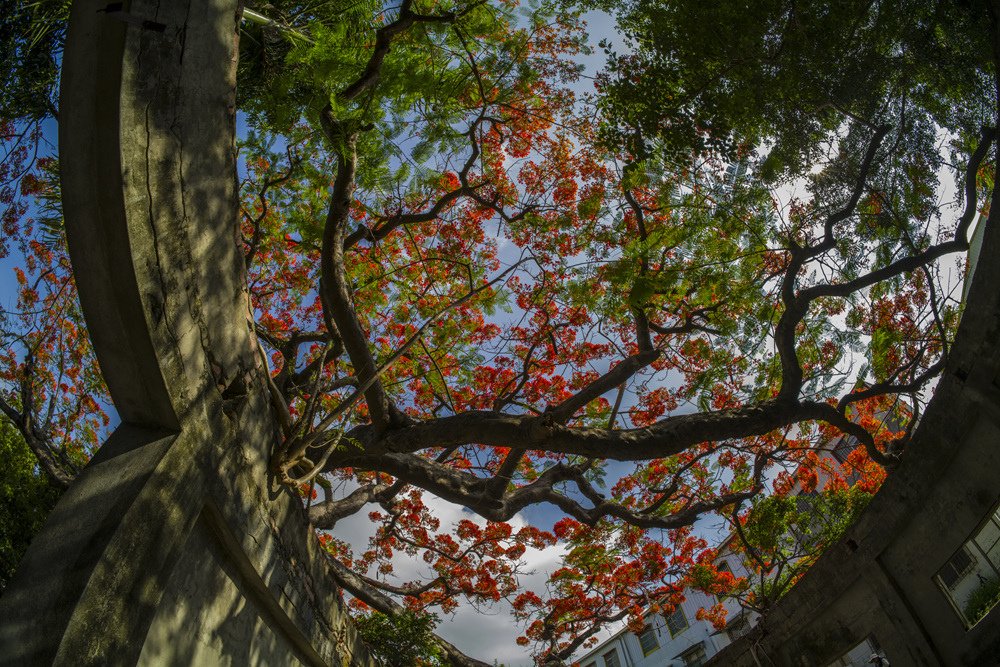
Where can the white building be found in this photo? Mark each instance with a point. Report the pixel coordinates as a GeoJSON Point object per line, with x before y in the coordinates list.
{"type": "Point", "coordinates": [671, 640]}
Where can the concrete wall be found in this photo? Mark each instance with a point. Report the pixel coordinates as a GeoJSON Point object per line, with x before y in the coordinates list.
{"type": "Point", "coordinates": [175, 545]}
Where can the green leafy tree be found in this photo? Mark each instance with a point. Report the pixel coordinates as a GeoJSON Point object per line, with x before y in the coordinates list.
{"type": "Point", "coordinates": [781, 536]}
{"type": "Point", "coordinates": [31, 37]}
{"type": "Point", "coordinates": [405, 639]}
{"type": "Point", "coordinates": [27, 495]}
{"type": "Point", "coordinates": [725, 75]}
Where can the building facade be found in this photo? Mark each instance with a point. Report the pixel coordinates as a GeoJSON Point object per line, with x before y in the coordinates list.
{"type": "Point", "coordinates": [672, 639]}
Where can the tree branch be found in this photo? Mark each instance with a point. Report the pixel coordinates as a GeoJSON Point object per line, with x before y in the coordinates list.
{"type": "Point", "coordinates": [334, 286]}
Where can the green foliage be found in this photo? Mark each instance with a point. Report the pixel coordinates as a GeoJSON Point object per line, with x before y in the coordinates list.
{"type": "Point", "coordinates": [982, 600]}
{"type": "Point", "coordinates": [731, 72]}
{"type": "Point", "coordinates": [293, 73]}
{"type": "Point", "coordinates": [769, 522]}
{"type": "Point", "coordinates": [49, 214]}
{"type": "Point", "coordinates": [26, 498]}
{"type": "Point", "coordinates": [786, 534]}
{"type": "Point", "coordinates": [31, 37]}
{"type": "Point", "coordinates": [777, 523]}
{"type": "Point", "coordinates": [403, 640]}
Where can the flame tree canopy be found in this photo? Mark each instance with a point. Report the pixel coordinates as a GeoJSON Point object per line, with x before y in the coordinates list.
{"type": "Point", "coordinates": [479, 277]}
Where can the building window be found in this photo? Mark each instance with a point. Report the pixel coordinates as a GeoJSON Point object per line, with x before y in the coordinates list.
{"type": "Point", "coordinates": [647, 640]}
{"type": "Point", "coordinates": [805, 500]}
{"type": "Point", "coordinates": [677, 622]}
{"type": "Point", "coordinates": [957, 567]}
{"type": "Point", "coordinates": [611, 659]}
{"type": "Point", "coordinates": [859, 654]}
{"type": "Point", "coordinates": [970, 579]}
{"type": "Point", "coordinates": [694, 656]}
{"type": "Point", "coordinates": [844, 447]}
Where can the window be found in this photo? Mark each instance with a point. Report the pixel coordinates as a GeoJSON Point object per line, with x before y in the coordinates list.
{"type": "Point", "coordinates": [611, 659]}
{"type": "Point", "coordinates": [647, 640]}
{"type": "Point", "coordinates": [859, 654]}
{"type": "Point", "coordinates": [844, 447]}
{"type": "Point", "coordinates": [956, 568]}
{"type": "Point", "coordinates": [694, 656]}
{"type": "Point", "coordinates": [970, 579]}
{"type": "Point", "coordinates": [804, 501]}
{"type": "Point", "coordinates": [677, 622]}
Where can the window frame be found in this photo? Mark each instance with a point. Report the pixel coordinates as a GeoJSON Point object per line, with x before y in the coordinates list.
{"type": "Point", "coordinates": [958, 574]}
{"type": "Point", "coordinates": [687, 624]}
{"type": "Point", "coordinates": [871, 646]}
{"type": "Point", "coordinates": [648, 631]}
{"type": "Point", "coordinates": [978, 557]}
{"type": "Point", "coordinates": [845, 446]}
{"type": "Point", "coordinates": [612, 651]}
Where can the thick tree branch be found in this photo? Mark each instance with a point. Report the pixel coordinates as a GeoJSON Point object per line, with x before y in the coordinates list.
{"type": "Point", "coordinates": [326, 514]}
{"type": "Point", "coordinates": [665, 438]}
{"type": "Point", "coordinates": [889, 387]}
{"type": "Point", "coordinates": [831, 415]}
{"type": "Point", "coordinates": [476, 493]}
{"type": "Point", "coordinates": [392, 223]}
{"type": "Point", "coordinates": [795, 308]}
{"type": "Point", "coordinates": [288, 378]}
{"type": "Point", "coordinates": [845, 212]}
{"type": "Point", "coordinates": [336, 292]}
{"type": "Point", "coordinates": [796, 304]}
